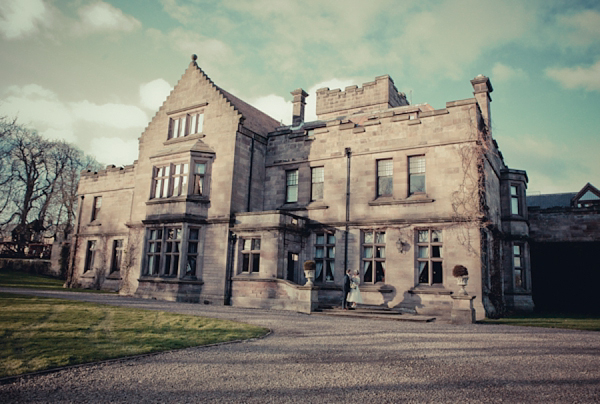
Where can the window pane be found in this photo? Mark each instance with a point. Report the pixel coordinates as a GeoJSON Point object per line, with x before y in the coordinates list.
{"type": "Point", "coordinates": [424, 272]}
{"type": "Point", "coordinates": [385, 186]}
{"type": "Point", "coordinates": [330, 271]}
{"type": "Point", "coordinates": [167, 264]}
{"type": "Point", "coordinates": [157, 188]}
{"type": "Point", "coordinates": [320, 238]}
{"type": "Point", "coordinates": [514, 191]}
{"type": "Point", "coordinates": [423, 236]}
{"type": "Point", "coordinates": [170, 234]}
{"type": "Point", "coordinates": [200, 123]}
{"type": "Point", "coordinates": [319, 272]}
{"type": "Point", "coordinates": [176, 188]}
{"type": "Point", "coordinates": [317, 191]}
{"type": "Point", "coordinates": [416, 165]}
{"type": "Point", "coordinates": [247, 244]}
{"type": "Point", "coordinates": [200, 168]}
{"type": "Point", "coordinates": [190, 268]}
{"type": "Point", "coordinates": [165, 191]}
{"type": "Point", "coordinates": [319, 252]}
{"type": "Point", "coordinates": [175, 132]}
{"type": "Point", "coordinates": [177, 234]}
{"type": "Point", "coordinates": [330, 252]}
{"type": "Point", "coordinates": [292, 193]}
{"type": "Point", "coordinates": [155, 266]}
{"type": "Point", "coordinates": [256, 244]}
{"type": "Point", "coordinates": [369, 237]}
{"type": "Point", "coordinates": [255, 262]}
{"type": "Point", "coordinates": [517, 250]}
{"type": "Point", "coordinates": [379, 238]}
{"type": "Point", "coordinates": [194, 234]}
{"type": "Point", "coordinates": [436, 251]}
{"type": "Point", "coordinates": [436, 236]}
{"type": "Point", "coordinates": [192, 247]}
{"type": "Point", "coordinates": [423, 252]}
{"type": "Point", "coordinates": [175, 269]}
{"type": "Point", "coordinates": [318, 174]}
{"type": "Point", "coordinates": [194, 124]}
{"type": "Point", "coordinates": [169, 247]}
{"type": "Point", "coordinates": [176, 247]}
{"type": "Point", "coordinates": [198, 184]}
{"type": "Point", "coordinates": [380, 252]}
{"type": "Point", "coordinates": [159, 234]}
{"type": "Point", "coordinates": [517, 262]}
{"type": "Point", "coordinates": [518, 278]}
{"type": "Point", "coordinates": [368, 252]}
{"type": "Point", "coordinates": [437, 272]}
{"type": "Point", "coordinates": [417, 183]}
{"type": "Point", "coordinates": [514, 207]}
{"type": "Point", "coordinates": [379, 271]}
{"type": "Point", "coordinates": [384, 168]}
{"type": "Point", "coordinates": [150, 264]}
{"type": "Point", "coordinates": [245, 262]}
{"type": "Point", "coordinates": [152, 235]}
{"type": "Point", "coordinates": [330, 239]}
{"type": "Point", "coordinates": [157, 246]}
{"type": "Point", "coordinates": [368, 271]}
{"type": "Point", "coordinates": [292, 177]}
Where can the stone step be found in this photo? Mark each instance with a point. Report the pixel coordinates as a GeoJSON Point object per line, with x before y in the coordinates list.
{"type": "Point", "coordinates": [378, 314]}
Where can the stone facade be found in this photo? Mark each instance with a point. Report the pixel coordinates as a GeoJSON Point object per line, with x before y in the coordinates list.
{"type": "Point", "coordinates": [224, 205]}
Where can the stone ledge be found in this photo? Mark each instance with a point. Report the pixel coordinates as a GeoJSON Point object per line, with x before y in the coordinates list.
{"type": "Point", "coordinates": [391, 201]}
{"type": "Point", "coordinates": [429, 290]}
{"type": "Point", "coordinates": [158, 279]}
{"type": "Point", "coordinates": [184, 138]}
{"type": "Point", "coordinates": [414, 122]}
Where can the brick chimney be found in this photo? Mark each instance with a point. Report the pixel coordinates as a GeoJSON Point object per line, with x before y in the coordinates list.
{"type": "Point", "coordinates": [299, 102]}
{"type": "Point", "coordinates": [483, 88]}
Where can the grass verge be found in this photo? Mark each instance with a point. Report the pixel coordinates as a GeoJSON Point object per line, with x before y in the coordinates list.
{"type": "Point", "coordinates": [42, 333]}
{"type": "Point", "coordinates": [18, 279]}
{"type": "Point", "coordinates": [550, 320]}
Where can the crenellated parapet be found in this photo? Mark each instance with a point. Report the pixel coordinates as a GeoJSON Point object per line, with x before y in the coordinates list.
{"type": "Point", "coordinates": [112, 177]}
{"type": "Point", "coordinates": [373, 96]}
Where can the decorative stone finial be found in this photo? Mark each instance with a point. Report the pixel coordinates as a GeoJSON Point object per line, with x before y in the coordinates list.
{"type": "Point", "coordinates": [194, 57]}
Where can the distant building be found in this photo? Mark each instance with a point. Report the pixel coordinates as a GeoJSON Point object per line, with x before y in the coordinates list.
{"type": "Point", "coordinates": [224, 204]}
{"type": "Point", "coordinates": [565, 246]}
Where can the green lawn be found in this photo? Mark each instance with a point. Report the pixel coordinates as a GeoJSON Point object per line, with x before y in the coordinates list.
{"type": "Point", "coordinates": [550, 320]}
{"type": "Point", "coordinates": [18, 279]}
{"type": "Point", "coordinates": [41, 333]}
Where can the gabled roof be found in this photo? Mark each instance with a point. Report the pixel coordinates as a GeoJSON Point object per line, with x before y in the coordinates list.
{"type": "Point", "coordinates": [587, 193]}
{"type": "Point", "coordinates": [564, 200]}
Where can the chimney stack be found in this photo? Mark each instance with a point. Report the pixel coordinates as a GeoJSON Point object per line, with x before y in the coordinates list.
{"type": "Point", "coordinates": [483, 87]}
{"type": "Point", "coordinates": [299, 102]}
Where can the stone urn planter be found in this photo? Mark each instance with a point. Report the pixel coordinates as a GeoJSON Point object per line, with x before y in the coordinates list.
{"type": "Point", "coordinates": [462, 278]}
{"type": "Point", "coordinates": [309, 272]}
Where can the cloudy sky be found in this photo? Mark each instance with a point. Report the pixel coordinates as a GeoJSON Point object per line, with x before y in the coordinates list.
{"type": "Point", "coordinates": [94, 72]}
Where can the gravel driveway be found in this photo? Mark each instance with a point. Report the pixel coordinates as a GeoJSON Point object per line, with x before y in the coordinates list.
{"type": "Point", "coordinates": [326, 359]}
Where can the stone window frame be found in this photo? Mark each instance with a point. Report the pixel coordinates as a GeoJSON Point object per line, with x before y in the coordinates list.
{"type": "Point", "coordinates": [377, 257]}
{"type": "Point", "coordinates": [384, 173]}
{"type": "Point", "coordinates": [118, 246]}
{"type": "Point", "coordinates": [327, 258]}
{"type": "Point", "coordinates": [157, 256]}
{"type": "Point", "coordinates": [153, 251]}
{"type": "Point", "coordinates": [426, 258]}
{"type": "Point", "coordinates": [291, 183]}
{"type": "Point", "coordinates": [170, 262]}
{"type": "Point", "coordinates": [185, 124]}
{"type": "Point", "coordinates": [191, 270]}
{"type": "Point", "coordinates": [417, 167]}
{"type": "Point", "coordinates": [249, 262]}
{"type": "Point", "coordinates": [317, 180]}
{"type": "Point", "coordinates": [200, 177]}
{"type": "Point", "coordinates": [90, 255]}
{"type": "Point", "coordinates": [96, 206]}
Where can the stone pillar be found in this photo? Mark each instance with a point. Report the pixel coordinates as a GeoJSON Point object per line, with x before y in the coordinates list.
{"type": "Point", "coordinates": [298, 102]}
{"type": "Point", "coordinates": [308, 299]}
{"type": "Point", "coordinates": [462, 309]}
{"type": "Point", "coordinates": [483, 88]}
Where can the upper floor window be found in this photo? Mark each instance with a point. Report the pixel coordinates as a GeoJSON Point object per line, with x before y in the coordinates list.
{"type": "Point", "coordinates": [429, 257]}
{"type": "Point", "coordinates": [170, 180]}
{"type": "Point", "coordinates": [325, 257]}
{"type": "Point", "coordinates": [515, 207]}
{"type": "Point", "coordinates": [186, 125]}
{"type": "Point", "coordinates": [291, 187]}
{"type": "Point", "coordinates": [96, 207]}
{"type": "Point", "coordinates": [161, 181]}
{"type": "Point", "coordinates": [250, 255]}
{"type": "Point", "coordinates": [373, 256]}
{"type": "Point", "coordinates": [385, 172]}
{"type": "Point", "coordinates": [317, 181]}
{"type": "Point", "coordinates": [416, 175]}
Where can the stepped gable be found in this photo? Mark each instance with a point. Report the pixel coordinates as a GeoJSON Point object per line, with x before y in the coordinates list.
{"type": "Point", "coordinates": [254, 119]}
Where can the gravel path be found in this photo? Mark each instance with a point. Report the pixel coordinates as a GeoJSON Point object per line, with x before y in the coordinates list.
{"type": "Point", "coordinates": [322, 359]}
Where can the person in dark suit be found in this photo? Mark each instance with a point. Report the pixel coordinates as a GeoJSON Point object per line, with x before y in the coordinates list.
{"type": "Point", "coordinates": [346, 290]}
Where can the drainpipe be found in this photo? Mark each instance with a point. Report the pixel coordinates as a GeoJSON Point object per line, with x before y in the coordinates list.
{"type": "Point", "coordinates": [348, 155]}
{"type": "Point", "coordinates": [250, 175]}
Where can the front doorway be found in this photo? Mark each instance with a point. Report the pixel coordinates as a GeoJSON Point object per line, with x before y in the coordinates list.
{"type": "Point", "coordinates": [292, 267]}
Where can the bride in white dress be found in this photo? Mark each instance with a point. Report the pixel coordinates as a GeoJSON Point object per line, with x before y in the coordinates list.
{"type": "Point", "coordinates": [354, 296]}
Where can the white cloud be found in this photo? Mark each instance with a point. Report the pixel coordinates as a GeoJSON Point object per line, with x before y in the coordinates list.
{"type": "Point", "coordinates": [191, 42]}
{"type": "Point", "coordinates": [587, 78]}
{"type": "Point", "coordinates": [581, 29]}
{"type": "Point", "coordinates": [83, 123]}
{"type": "Point", "coordinates": [102, 16]}
{"type": "Point", "coordinates": [501, 72]}
{"type": "Point", "coordinates": [114, 150]}
{"type": "Point", "coordinates": [154, 93]}
{"type": "Point", "coordinates": [19, 18]}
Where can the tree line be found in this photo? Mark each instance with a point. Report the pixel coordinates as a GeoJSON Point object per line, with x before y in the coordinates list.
{"type": "Point", "coordinates": [38, 184]}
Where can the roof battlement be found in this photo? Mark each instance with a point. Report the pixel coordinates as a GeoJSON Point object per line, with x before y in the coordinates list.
{"type": "Point", "coordinates": [372, 96]}
{"type": "Point", "coordinates": [110, 170]}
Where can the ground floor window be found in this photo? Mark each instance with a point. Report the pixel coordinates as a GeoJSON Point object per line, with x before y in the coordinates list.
{"type": "Point", "coordinates": [172, 251]}
{"type": "Point", "coordinates": [192, 252]}
{"type": "Point", "coordinates": [117, 256]}
{"type": "Point", "coordinates": [430, 257]}
{"type": "Point", "coordinates": [154, 250]}
{"type": "Point", "coordinates": [373, 256]}
{"type": "Point", "coordinates": [250, 255]}
{"type": "Point", "coordinates": [324, 257]}
{"type": "Point", "coordinates": [518, 266]}
{"type": "Point", "coordinates": [90, 253]}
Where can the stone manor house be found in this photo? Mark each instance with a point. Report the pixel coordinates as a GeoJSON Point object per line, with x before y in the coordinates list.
{"type": "Point", "coordinates": [224, 204]}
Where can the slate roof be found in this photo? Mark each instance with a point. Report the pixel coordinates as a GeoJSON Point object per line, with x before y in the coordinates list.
{"type": "Point", "coordinates": [255, 120]}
